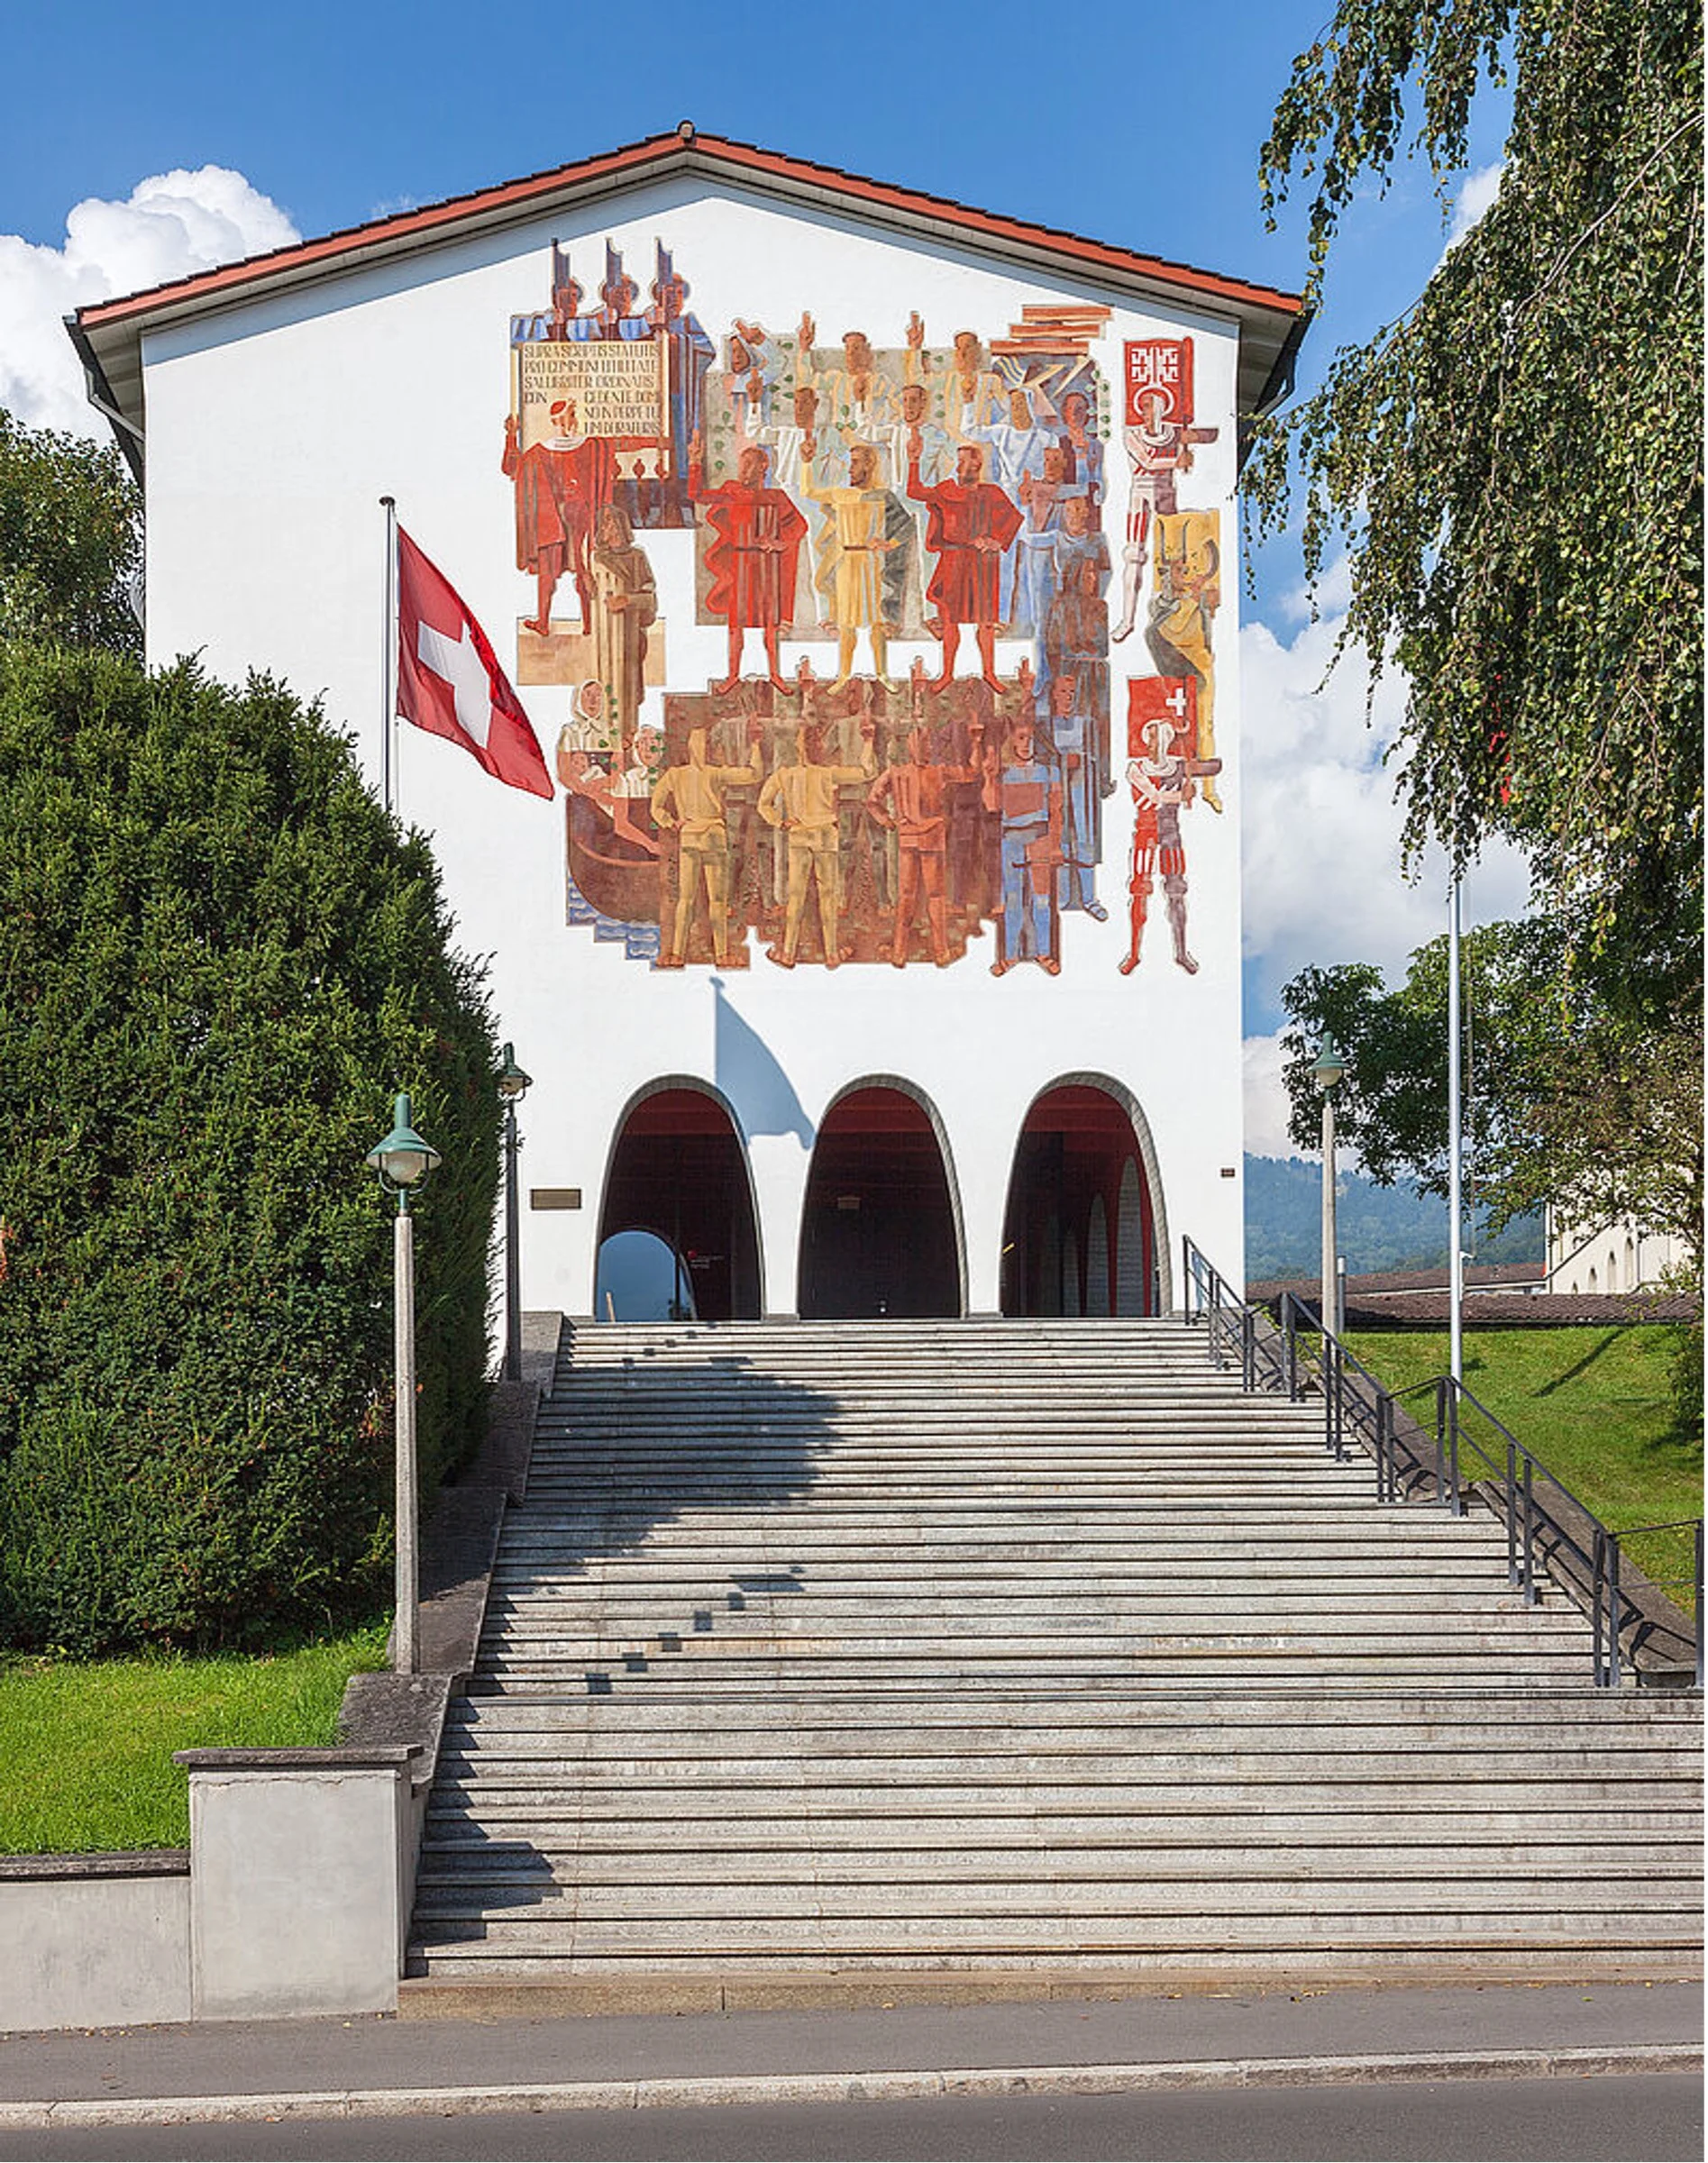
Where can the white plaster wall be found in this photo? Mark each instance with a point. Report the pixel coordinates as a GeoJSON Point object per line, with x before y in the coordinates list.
{"type": "Point", "coordinates": [272, 431]}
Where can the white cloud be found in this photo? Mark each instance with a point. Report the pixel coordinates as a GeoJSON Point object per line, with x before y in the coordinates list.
{"type": "Point", "coordinates": [1323, 876]}
{"type": "Point", "coordinates": [1475, 197]}
{"type": "Point", "coordinates": [169, 226]}
{"type": "Point", "coordinates": [1265, 1098]}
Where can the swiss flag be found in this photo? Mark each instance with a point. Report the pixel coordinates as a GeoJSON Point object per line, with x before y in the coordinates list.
{"type": "Point", "coordinates": [449, 681]}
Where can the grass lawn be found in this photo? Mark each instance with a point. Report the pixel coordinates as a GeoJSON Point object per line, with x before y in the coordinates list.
{"type": "Point", "coordinates": [1593, 1404]}
{"type": "Point", "coordinates": [88, 1745]}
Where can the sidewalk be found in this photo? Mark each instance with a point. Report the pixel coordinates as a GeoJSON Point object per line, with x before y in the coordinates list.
{"type": "Point", "coordinates": [372, 2068]}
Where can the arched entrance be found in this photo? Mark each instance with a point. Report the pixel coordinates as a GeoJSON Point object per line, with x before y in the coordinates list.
{"type": "Point", "coordinates": [679, 1170]}
{"type": "Point", "coordinates": [1078, 1237]}
{"type": "Point", "coordinates": [878, 1233]}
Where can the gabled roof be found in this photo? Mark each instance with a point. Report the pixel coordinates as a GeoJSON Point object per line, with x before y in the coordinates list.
{"type": "Point", "coordinates": [109, 334]}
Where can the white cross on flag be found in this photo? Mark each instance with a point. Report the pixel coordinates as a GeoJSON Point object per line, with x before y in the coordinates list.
{"type": "Point", "coordinates": [449, 681]}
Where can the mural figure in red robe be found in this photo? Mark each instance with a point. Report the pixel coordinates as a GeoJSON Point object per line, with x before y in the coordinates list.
{"type": "Point", "coordinates": [971, 522]}
{"type": "Point", "coordinates": [560, 485]}
{"type": "Point", "coordinates": [912, 797]}
{"type": "Point", "coordinates": [752, 551]}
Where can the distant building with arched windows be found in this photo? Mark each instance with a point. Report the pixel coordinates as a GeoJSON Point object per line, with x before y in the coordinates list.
{"type": "Point", "coordinates": [1609, 1257]}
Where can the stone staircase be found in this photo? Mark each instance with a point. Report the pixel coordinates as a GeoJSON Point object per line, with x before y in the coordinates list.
{"type": "Point", "coordinates": [983, 1658]}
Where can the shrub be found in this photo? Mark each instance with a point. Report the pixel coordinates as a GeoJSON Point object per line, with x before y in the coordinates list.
{"type": "Point", "coordinates": [218, 958]}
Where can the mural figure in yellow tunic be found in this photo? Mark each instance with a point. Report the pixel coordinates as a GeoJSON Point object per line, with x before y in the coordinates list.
{"type": "Point", "coordinates": [690, 800]}
{"type": "Point", "coordinates": [1183, 615]}
{"type": "Point", "coordinates": [859, 515]}
{"type": "Point", "coordinates": [801, 801]}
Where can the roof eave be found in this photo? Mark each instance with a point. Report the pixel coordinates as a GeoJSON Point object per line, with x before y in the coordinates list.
{"type": "Point", "coordinates": [109, 333]}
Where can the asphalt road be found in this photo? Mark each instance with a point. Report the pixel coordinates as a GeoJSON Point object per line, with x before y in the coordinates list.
{"type": "Point", "coordinates": [1645, 2119]}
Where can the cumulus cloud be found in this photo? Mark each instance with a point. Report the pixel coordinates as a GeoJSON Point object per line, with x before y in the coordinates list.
{"type": "Point", "coordinates": [1265, 1099]}
{"type": "Point", "coordinates": [1322, 881]}
{"type": "Point", "coordinates": [1475, 197]}
{"type": "Point", "coordinates": [169, 226]}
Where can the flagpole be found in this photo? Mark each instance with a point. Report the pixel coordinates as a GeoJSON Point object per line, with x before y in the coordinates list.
{"type": "Point", "coordinates": [389, 658]}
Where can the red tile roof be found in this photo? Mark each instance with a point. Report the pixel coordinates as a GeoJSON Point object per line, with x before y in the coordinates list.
{"type": "Point", "coordinates": [684, 148]}
{"type": "Point", "coordinates": [108, 335]}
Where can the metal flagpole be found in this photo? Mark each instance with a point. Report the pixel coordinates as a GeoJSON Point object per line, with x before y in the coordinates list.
{"type": "Point", "coordinates": [1455, 1145]}
{"type": "Point", "coordinates": [389, 658]}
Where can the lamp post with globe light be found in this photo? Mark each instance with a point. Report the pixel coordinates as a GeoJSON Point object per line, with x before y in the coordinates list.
{"type": "Point", "coordinates": [402, 1159]}
{"type": "Point", "coordinates": [513, 1086]}
{"type": "Point", "coordinates": [1326, 1071]}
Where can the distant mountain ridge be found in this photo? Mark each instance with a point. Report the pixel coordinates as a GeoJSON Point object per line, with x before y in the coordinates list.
{"type": "Point", "coordinates": [1380, 1227]}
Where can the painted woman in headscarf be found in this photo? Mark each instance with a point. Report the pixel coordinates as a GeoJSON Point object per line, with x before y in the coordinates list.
{"type": "Point", "coordinates": [625, 603]}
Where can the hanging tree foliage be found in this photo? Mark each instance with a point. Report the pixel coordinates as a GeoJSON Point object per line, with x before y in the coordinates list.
{"type": "Point", "coordinates": [1517, 462]}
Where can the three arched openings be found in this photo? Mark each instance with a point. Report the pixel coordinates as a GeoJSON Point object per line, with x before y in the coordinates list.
{"type": "Point", "coordinates": [881, 1230]}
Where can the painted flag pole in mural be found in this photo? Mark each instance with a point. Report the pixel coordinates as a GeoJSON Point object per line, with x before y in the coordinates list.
{"type": "Point", "coordinates": [449, 681]}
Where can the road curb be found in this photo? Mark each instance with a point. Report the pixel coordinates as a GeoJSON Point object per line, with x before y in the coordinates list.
{"type": "Point", "coordinates": [1581, 2062]}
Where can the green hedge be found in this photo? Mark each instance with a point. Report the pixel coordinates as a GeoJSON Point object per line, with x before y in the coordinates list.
{"type": "Point", "coordinates": [218, 958]}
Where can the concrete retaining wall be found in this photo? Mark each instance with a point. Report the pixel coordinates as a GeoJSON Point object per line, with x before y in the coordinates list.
{"type": "Point", "coordinates": [95, 1941]}
{"type": "Point", "coordinates": [301, 1878]}
{"type": "Point", "coordinates": [293, 1897]}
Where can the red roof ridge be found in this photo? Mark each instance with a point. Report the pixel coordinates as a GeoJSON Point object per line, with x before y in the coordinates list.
{"type": "Point", "coordinates": [683, 146]}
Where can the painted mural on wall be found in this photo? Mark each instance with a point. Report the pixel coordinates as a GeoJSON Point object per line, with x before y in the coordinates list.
{"type": "Point", "coordinates": [848, 494]}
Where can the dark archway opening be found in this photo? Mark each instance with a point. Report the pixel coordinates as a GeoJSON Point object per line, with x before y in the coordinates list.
{"type": "Point", "coordinates": [1078, 1237]}
{"type": "Point", "coordinates": [878, 1235]}
{"type": "Point", "coordinates": [680, 1173]}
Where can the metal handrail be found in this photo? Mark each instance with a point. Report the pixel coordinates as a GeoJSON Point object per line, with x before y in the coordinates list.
{"type": "Point", "coordinates": [1607, 1613]}
{"type": "Point", "coordinates": [1549, 1531]}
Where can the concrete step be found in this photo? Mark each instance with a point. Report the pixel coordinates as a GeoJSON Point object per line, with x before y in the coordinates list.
{"type": "Point", "coordinates": [448, 1867]}
{"type": "Point", "coordinates": [1432, 1712]}
{"type": "Point", "coordinates": [1269, 1825]}
{"type": "Point", "coordinates": [1075, 1938]}
{"type": "Point", "coordinates": [1023, 1896]}
{"type": "Point", "coordinates": [457, 1987]}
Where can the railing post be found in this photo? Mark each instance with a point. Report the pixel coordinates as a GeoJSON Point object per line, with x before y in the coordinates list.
{"type": "Point", "coordinates": [1699, 1613]}
{"type": "Point", "coordinates": [1455, 1500]}
{"type": "Point", "coordinates": [1327, 1368]}
{"type": "Point", "coordinates": [1529, 1538]}
{"type": "Point", "coordinates": [1612, 1613]}
{"type": "Point", "coordinates": [1440, 1441]}
{"type": "Point", "coordinates": [1247, 1349]}
{"type": "Point", "coordinates": [1597, 1569]}
{"type": "Point", "coordinates": [1290, 1324]}
{"type": "Point", "coordinates": [1512, 1512]}
{"type": "Point", "coordinates": [1384, 1446]}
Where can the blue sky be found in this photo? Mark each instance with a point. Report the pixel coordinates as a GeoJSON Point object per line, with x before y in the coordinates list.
{"type": "Point", "coordinates": [1132, 122]}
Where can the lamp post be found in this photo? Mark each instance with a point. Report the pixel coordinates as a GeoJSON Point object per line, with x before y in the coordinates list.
{"type": "Point", "coordinates": [1455, 1147]}
{"type": "Point", "coordinates": [402, 1159]}
{"type": "Point", "coordinates": [513, 1086]}
{"type": "Point", "coordinates": [1326, 1070]}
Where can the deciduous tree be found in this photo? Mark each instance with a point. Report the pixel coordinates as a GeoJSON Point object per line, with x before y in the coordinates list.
{"type": "Point", "coordinates": [70, 540]}
{"type": "Point", "coordinates": [1566, 1104]}
{"type": "Point", "coordinates": [1515, 464]}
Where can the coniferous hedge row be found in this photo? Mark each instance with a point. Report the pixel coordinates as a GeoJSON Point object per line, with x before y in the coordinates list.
{"type": "Point", "coordinates": [218, 958]}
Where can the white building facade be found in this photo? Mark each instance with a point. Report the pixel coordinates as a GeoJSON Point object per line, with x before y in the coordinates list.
{"type": "Point", "coordinates": [866, 566]}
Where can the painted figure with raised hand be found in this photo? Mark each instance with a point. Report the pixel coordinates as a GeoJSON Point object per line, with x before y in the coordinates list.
{"type": "Point", "coordinates": [858, 542]}
{"type": "Point", "coordinates": [801, 799]}
{"type": "Point", "coordinates": [691, 801]}
{"type": "Point", "coordinates": [971, 523]}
